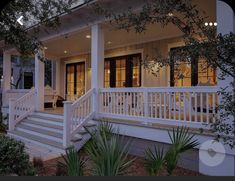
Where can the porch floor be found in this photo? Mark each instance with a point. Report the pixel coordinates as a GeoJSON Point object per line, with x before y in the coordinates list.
{"type": "Point", "coordinates": [57, 111]}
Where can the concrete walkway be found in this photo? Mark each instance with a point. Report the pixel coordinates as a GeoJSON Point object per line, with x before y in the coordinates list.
{"type": "Point", "coordinates": [36, 151]}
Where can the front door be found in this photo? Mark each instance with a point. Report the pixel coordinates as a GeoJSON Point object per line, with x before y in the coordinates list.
{"type": "Point", "coordinates": [75, 80]}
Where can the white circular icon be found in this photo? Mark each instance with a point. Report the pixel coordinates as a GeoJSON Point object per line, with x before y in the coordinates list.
{"type": "Point", "coordinates": [212, 153]}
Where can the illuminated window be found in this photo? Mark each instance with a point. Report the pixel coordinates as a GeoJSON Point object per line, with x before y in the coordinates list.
{"type": "Point", "coordinates": [193, 73]}
{"type": "Point", "coordinates": [123, 71]}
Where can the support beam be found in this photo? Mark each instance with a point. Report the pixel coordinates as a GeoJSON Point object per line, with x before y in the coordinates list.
{"type": "Point", "coordinates": [97, 62]}
{"type": "Point", "coordinates": [39, 82]}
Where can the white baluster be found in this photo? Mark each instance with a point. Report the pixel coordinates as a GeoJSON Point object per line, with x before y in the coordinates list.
{"type": "Point", "coordinates": [207, 109]}
{"type": "Point", "coordinates": [195, 97]}
{"type": "Point", "coordinates": [201, 105]}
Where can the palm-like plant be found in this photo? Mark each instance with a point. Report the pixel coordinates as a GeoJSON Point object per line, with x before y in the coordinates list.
{"type": "Point", "coordinates": [181, 141]}
{"type": "Point", "coordinates": [105, 129]}
{"type": "Point", "coordinates": [154, 161]}
{"type": "Point", "coordinates": [109, 157]}
{"type": "Point", "coordinates": [72, 163]}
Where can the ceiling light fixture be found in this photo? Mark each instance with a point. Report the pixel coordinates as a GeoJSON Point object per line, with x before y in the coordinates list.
{"type": "Point", "coordinates": [206, 24]}
{"type": "Point", "coordinates": [88, 36]}
{"type": "Point", "coordinates": [65, 52]}
{"type": "Point", "coordinates": [109, 42]}
{"type": "Point", "coordinates": [170, 14]}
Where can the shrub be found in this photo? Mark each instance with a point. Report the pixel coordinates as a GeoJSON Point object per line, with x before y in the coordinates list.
{"type": "Point", "coordinates": [3, 127]}
{"type": "Point", "coordinates": [13, 158]}
{"type": "Point", "coordinates": [154, 161]}
{"type": "Point", "coordinates": [72, 164]}
{"type": "Point", "coordinates": [38, 164]}
{"type": "Point", "coordinates": [108, 154]}
{"type": "Point", "coordinates": [181, 141]}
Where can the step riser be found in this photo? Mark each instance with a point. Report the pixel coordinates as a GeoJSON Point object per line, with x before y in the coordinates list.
{"type": "Point", "coordinates": [59, 140]}
{"type": "Point", "coordinates": [45, 121]}
{"type": "Point", "coordinates": [42, 127]}
{"type": "Point", "coordinates": [48, 115]}
{"type": "Point", "coordinates": [79, 145]}
{"type": "Point", "coordinates": [24, 140]}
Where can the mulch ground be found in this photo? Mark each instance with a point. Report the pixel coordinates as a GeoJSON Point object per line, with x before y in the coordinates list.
{"type": "Point", "coordinates": [136, 168]}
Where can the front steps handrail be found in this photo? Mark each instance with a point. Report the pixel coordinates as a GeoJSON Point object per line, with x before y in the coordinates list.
{"type": "Point", "coordinates": [76, 115]}
{"type": "Point", "coordinates": [20, 108]}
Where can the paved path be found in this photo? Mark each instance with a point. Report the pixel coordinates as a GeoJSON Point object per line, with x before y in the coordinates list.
{"type": "Point", "coordinates": [36, 151]}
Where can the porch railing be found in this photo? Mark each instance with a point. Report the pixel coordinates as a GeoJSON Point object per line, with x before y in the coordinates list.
{"type": "Point", "coordinates": [13, 94]}
{"type": "Point", "coordinates": [21, 108]}
{"type": "Point", "coordinates": [193, 106]}
{"type": "Point", "coordinates": [76, 115]}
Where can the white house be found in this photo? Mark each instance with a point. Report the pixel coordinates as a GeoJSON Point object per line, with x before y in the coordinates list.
{"type": "Point", "coordinates": [98, 72]}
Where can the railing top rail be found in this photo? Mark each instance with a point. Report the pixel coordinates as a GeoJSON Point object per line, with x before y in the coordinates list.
{"type": "Point", "coordinates": [18, 91]}
{"type": "Point", "coordinates": [201, 89]}
{"type": "Point", "coordinates": [32, 91]}
{"type": "Point", "coordinates": [84, 97]}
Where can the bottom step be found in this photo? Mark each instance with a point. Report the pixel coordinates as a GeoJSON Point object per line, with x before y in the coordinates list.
{"type": "Point", "coordinates": [52, 145]}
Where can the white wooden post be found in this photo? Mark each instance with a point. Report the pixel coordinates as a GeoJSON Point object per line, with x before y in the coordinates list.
{"type": "Point", "coordinates": [97, 63]}
{"type": "Point", "coordinates": [39, 81]}
{"type": "Point", "coordinates": [11, 124]}
{"type": "Point", "coordinates": [225, 20]}
{"type": "Point", "coordinates": [57, 77]}
{"type": "Point", "coordinates": [67, 124]}
{"type": "Point", "coordinates": [6, 71]}
{"type": "Point", "coordinates": [146, 105]}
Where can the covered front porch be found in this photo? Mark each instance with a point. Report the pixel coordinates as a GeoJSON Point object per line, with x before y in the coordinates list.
{"type": "Point", "coordinates": [95, 59]}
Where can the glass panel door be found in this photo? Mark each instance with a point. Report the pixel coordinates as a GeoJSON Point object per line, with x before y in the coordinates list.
{"type": "Point", "coordinates": [75, 81]}
{"type": "Point", "coordinates": [70, 81]}
{"type": "Point", "coordinates": [121, 73]}
{"type": "Point", "coordinates": [80, 79]}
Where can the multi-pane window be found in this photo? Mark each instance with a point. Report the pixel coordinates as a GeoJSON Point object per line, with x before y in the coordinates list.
{"type": "Point", "coordinates": [123, 71]}
{"type": "Point", "coordinates": [206, 75]}
{"type": "Point", "coordinates": [194, 73]}
{"type": "Point", "coordinates": [182, 75]}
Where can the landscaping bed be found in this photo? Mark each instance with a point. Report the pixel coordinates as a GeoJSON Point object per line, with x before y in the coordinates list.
{"type": "Point", "coordinates": [135, 169]}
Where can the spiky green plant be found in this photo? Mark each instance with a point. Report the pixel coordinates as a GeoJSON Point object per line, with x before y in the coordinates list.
{"type": "Point", "coordinates": [109, 156]}
{"type": "Point", "coordinates": [105, 129]}
{"type": "Point", "coordinates": [181, 141]}
{"type": "Point", "coordinates": [72, 163]}
{"type": "Point", "coordinates": [154, 161]}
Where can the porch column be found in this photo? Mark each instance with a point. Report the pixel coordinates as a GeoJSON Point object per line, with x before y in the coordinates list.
{"type": "Point", "coordinates": [6, 71]}
{"type": "Point", "coordinates": [97, 61]}
{"type": "Point", "coordinates": [57, 76]}
{"type": "Point", "coordinates": [39, 82]}
{"type": "Point", "coordinates": [225, 20]}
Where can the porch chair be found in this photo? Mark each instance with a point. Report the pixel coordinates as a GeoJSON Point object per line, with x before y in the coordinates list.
{"type": "Point", "coordinates": [50, 96]}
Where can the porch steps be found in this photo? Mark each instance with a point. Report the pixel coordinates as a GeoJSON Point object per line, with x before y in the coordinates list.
{"type": "Point", "coordinates": [46, 130]}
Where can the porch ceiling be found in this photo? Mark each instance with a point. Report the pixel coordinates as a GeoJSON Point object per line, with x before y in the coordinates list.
{"type": "Point", "coordinates": [76, 43]}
